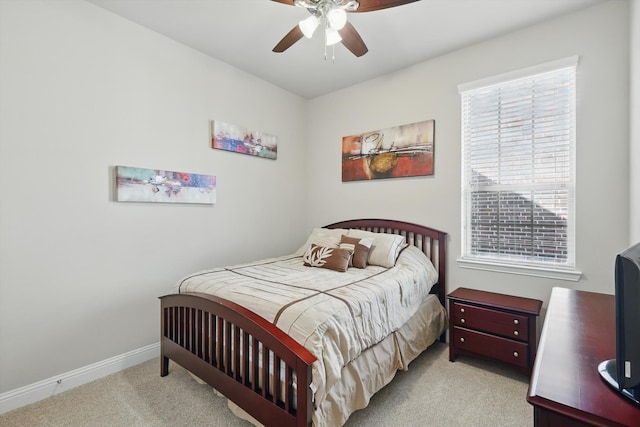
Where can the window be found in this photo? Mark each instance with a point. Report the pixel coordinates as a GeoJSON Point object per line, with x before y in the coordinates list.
{"type": "Point", "coordinates": [518, 184]}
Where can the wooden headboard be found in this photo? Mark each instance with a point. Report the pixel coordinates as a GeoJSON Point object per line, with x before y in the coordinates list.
{"type": "Point", "coordinates": [429, 240]}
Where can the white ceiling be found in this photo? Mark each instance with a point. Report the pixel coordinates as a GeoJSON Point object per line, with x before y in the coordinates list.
{"type": "Point", "coordinates": [243, 32]}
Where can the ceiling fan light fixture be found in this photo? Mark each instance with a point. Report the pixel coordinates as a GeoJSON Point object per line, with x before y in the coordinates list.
{"type": "Point", "coordinates": [308, 26]}
{"type": "Point", "coordinates": [351, 5]}
{"type": "Point", "coordinates": [307, 4]}
{"type": "Point", "coordinates": [332, 36]}
{"type": "Point", "coordinates": [337, 18]}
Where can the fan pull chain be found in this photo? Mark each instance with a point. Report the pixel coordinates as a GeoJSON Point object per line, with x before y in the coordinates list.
{"type": "Point", "coordinates": [333, 53]}
{"type": "Point", "coordinates": [326, 41]}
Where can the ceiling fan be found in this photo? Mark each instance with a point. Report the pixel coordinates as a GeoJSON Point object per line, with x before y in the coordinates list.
{"type": "Point", "coordinates": [333, 15]}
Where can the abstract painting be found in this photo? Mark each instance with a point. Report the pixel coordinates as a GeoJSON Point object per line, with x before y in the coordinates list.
{"type": "Point", "coordinates": [395, 152]}
{"type": "Point", "coordinates": [161, 186]}
{"type": "Point", "coordinates": [225, 136]}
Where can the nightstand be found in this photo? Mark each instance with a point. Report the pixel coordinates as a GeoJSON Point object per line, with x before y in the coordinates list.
{"type": "Point", "coordinates": [496, 326]}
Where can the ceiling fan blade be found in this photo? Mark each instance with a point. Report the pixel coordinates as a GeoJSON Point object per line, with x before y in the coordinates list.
{"type": "Point", "coordinates": [287, 41]}
{"type": "Point", "coordinates": [371, 5]}
{"type": "Point", "coordinates": [352, 40]}
{"type": "Point", "coordinates": [284, 1]}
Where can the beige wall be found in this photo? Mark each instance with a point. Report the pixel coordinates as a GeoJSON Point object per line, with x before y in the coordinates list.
{"type": "Point", "coordinates": [599, 35]}
{"type": "Point", "coordinates": [82, 91]}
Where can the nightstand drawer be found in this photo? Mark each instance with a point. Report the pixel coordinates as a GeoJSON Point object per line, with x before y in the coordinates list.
{"type": "Point", "coordinates": [509, 351]}
{"type": "Point", "coordinates": [492, 325]}
{"type": "Point", "coordinates": [507, 325]}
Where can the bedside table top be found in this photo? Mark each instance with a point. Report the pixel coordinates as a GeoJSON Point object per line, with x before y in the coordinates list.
{"type": "Point", "coordinates": [496, 300]}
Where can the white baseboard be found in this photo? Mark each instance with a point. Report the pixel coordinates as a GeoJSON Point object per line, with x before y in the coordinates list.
{"type": "Point", "coordinates": [42, 389]}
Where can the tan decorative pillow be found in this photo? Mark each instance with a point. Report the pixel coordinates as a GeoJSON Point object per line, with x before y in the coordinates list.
{"type": "Point", "coordinates": [360, 249]}
{"type": "Point", "coordinates": [332, 258]}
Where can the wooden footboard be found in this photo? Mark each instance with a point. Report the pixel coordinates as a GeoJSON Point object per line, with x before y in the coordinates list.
{"type": "Point", "coordinates": [241, 354]}
{"type": "Point", "coordinates": [248, 359]}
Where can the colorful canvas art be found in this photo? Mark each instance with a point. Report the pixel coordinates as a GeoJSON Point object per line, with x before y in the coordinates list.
{"type": "Point", "coordinates": [395, 152]}
{"type": "Point", "coordinates": [153, 185]}
{"type": "Point", "coordinates": [225, 136]}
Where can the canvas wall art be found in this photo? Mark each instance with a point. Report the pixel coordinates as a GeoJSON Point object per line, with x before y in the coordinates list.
{"type": "Point", "coordinates": [153, 185]}
{"type": "Point", "coordinates": [395, 152]}
{"type": "Point", "coordinates": [229, 137]}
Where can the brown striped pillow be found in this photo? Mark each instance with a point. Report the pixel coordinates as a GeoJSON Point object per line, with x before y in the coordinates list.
{"type": "Point", "coordinates": [360, 250]}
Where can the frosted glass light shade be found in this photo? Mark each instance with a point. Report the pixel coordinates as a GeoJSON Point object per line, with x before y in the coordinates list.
{"type": "Point", "coordinates": [332, 36]}
{"type": "Point", "coordinates": [309, 25]}
{"type": "Point", "coordinates": [337, 18]}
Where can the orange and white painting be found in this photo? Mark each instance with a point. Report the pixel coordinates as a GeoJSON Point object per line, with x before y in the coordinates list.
{"type": "Point", "coordinates": [395, 152]}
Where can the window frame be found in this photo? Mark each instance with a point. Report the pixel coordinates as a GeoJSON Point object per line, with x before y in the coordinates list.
{"type": "Point", "coordinates": [562, 271]}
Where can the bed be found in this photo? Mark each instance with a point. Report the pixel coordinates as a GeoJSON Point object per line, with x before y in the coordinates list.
{"type": "Point", "coordinates": [229, 327]}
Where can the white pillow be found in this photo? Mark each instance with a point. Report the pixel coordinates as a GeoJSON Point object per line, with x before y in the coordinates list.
{"type": "Point", "coordinates": [338, 232]}
{"type": "Point", "coordinates": [385, 249]}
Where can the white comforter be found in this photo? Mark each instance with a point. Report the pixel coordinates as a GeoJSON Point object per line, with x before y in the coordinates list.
{"type": "Point", "coordinates": [334, 315]}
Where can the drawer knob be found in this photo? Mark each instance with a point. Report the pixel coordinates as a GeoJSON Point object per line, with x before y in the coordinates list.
{"type": "Point", "coordinates": [461, 339]}
{"type": "Point", "coordinates": [515, 354]}
{"type": "Point", "coordinates": [462, 310]}
{"type": "Point", "coordinates": [516, 333]}
{"type": "Point", "coordinates": [515, 322]}
{"type": "Point", "coordinates": [461, 320]}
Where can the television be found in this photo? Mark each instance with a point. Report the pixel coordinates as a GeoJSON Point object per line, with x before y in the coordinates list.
{"type": "Point", "coordinates": [623, 372]}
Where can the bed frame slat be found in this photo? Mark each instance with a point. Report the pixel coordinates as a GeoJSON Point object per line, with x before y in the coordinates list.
{"type": "Point", "coordinates": [254, 365]}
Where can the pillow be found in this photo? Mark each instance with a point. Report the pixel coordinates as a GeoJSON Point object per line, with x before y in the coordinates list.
{"type": "Point", "coordinates": [332, 258]}
{"type": "Point", "coordinates": [326, 240]}
{"type": "Point", "coordinates": [325, 231]}
{"type": "Point", "coordinates": [360, 248]}
{"type": "Point", "coordinates": [385, 249]}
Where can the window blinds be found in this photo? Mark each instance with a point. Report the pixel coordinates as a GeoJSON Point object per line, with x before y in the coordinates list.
{"type": "Point", "coordinates": [518, 169]}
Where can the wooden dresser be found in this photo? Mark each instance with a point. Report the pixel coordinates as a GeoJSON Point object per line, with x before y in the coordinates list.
{"type": "Point", "coordinates": [565, 388]}
{"type": "Point", "coordinates": [497, 326]}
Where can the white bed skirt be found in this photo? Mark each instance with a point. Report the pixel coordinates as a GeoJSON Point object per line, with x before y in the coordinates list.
{"type": "Point", "coordinates": [375, 367]}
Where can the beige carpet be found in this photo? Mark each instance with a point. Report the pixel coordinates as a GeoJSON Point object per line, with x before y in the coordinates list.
{"type": "Point", "coordinates": [434, 392]}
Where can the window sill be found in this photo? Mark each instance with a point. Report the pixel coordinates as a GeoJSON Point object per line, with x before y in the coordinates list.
{"type": "Point", "coordinates": [524, 270]}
